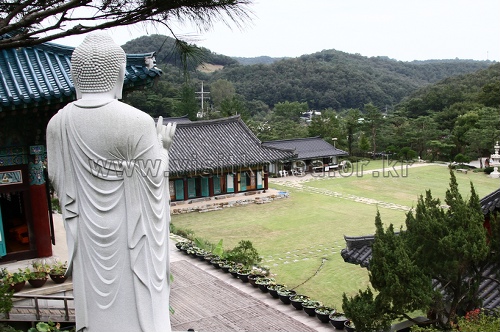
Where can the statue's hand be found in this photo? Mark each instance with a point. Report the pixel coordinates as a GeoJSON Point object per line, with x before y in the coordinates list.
{"type": "Point", "coordinates": [165, 133]}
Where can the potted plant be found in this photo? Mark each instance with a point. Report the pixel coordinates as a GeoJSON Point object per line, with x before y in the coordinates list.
{"type": "Point", "coordinates": [297, 300]}
{"type": "Point", "coordinates": [58, 272]}
{"type": "Point", "coordinates": [274, 288]}
{"type": "Point", "coordinates": [185, 246]}
{"type": "Point", "coordinates": [284, 295]}
{"type": "Point", "coordinates": [323, 313]}
{"type": "Point", "coordinates": [263, 282]}
{"type": "Point", "coordinates": [38, 274]}
{"type": "Point", "coordinates": [16, 280]}
{"type": "Point", "coordinates": [243, 274]}
{"type": "Point", "coordinates": [337, 319]}
{"type": "Point", "coordinates": [200, 254]}
{"type": "Point", "coordinates": [310, 306]}
{"type": "Point", "coordinates": [349, 326]}
{"type": "Point", "coordinates": [234, 270]}
{"type": "Point", "coordinates": [253, 276]}
{"type": "Point", "coordinates": [215, 262]}
{"type": "Point", "coordinates": [225, 265]}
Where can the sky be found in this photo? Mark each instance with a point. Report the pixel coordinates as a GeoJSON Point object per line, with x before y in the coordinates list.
{"type": "Point", "coordinates": [399, 29]}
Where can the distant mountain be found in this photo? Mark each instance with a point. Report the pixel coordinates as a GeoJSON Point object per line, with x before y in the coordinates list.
{"type": "Point", "coordinates": [339, 80]}
{"type": "Point", "coordinates": [326, 79]}
{"type": "Point", "coordinates": [260, 60]}
{"type": "Point", "coordinates": [481, 87]}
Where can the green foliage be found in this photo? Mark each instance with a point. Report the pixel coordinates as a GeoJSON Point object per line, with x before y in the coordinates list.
{"type": "Point", "coordinates": [8, 328]}
{"type": "Point", "coordinates": [407, 154]}
{"type": "Point", "coordinates": [54, 202]}
{"type": "Point", "coordinates": [5, 298]}
{"type": "Point", "coordinates": [444, 244]}
{"type": "Point", "coordinates": [244, 253]}
{"type": "Point", "coordinates": [58, 268]}
{"type": "Point", "coordinates": [47, 327]}
{"type": "Point", "coordinates": [460, 158]}
{"type": "Point", "coordinates": [479, 320]}
{"type": "Point", "coordinates": [365, 312]}
{"type": "Point", "coordinates": [12, 278]}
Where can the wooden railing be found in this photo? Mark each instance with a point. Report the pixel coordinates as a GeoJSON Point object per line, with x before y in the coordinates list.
{"type": "Point", "coordinates": [34, 312]}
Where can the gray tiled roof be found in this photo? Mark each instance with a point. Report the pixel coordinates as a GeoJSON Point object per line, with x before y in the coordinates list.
{"type": "Point", "coordinates": [491, 202]}
{"type": "Point", "coordinates": [223, 143]}
{"type": "Point", "coordinates": [41, 74]}
{"type": "Point", "coordinates": [307, 148]}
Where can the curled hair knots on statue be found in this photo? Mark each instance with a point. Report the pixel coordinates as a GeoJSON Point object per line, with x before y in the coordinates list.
{"type": "Point", "coordinates": [96, 63]}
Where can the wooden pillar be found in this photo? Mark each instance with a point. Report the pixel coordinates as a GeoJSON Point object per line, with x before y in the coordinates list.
{"type": "Point", "coordinates": [236, 182]}
{"type": "Point", "coordinates": [266, 180]}
{"type": "Point", "coordinates": [39, 205]}
{"type": "Point", "coordinates": [211, 186]}
{"type": "Point", "coordinates": [41, 224]}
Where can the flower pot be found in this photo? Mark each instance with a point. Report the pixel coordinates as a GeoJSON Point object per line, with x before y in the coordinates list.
{"type": "Point", "coordinates": [37, 283]}
{"type": "Point", "coordinates": [337, 320]}
{"type": "Point", "coordinates": [297, 301]}
{"type": "Point", "coordinates": [263, 288]}
{"type": "Point", "coordinates": [215, 263]}
{"type": "Point", "coordinates": [17, 287]}
{"type": "Point", "coordinates": [243, 276]}
{"type": "Point", "coordinates": [253, 278]}
{"type": "Point", "coordinates": [273, 290]}
{"type": "Point", "coordinates": [285, 296]}
{"type": "Point", "coordinates": [58, 278]}
{"type": "Point", "coordinates": [234, 273]}
{"type": "Point", "coordinates": [225, 268]}
{"type": "Point", "coordinates": [310, 311]}
{"type": "Point", "coordinates": [349, 327]}
{"type": "Point", "coordinates": [323, 313]}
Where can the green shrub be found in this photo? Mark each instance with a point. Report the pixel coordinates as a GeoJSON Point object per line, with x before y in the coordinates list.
{"type": "Point", "coordinates": [244, 253]}
{"type": "Point", "coordinates": [488, 170]}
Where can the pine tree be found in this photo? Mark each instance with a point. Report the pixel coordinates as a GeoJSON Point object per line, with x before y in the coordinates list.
{"type": "Point", "coordinates": [435, 265]}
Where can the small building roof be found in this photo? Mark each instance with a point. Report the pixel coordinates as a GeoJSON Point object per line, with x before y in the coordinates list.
{"type": "Point", "coordinates": [491, 202]}
{"type": "Point", "coordinates": [41, 75]}
{"type": "Point", "coordinates": [307, 148]}
{"type": "Point", "coordinates": [176, 119]}
{"type": "Point", "coordinates": [212, 145]}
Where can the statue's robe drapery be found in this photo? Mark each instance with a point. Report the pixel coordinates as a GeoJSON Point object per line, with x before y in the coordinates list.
{"type": "Point", "coordinates": [108, 168]}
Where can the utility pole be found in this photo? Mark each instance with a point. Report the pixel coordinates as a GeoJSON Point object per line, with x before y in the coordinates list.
{"type": "Point", "coordinates": [202, 97]}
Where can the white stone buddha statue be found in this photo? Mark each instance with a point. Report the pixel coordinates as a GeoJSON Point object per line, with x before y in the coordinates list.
{"type": "Point", "coordinates": [108, 163]}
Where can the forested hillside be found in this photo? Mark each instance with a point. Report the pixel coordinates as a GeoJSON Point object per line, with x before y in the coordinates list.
{"type": "Point", "coordinates": [327, 79]}
{"type": "Point", "coordinates": [338, 80]}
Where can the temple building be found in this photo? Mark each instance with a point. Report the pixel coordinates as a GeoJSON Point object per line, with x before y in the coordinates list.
{"type": "Point", "coordinates": [216, 157]}
{"type": "Point", "coordinates": [35, 82]}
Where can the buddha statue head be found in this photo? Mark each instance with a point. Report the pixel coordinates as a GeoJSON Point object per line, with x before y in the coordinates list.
{"type": "Point", "coordinates": [98, 67]}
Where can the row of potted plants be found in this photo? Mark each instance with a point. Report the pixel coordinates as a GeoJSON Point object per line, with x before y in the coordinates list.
{"type": "Point", "coordinates": [259, 277]}
{"type": "Point", "coordinates": [36, 275]}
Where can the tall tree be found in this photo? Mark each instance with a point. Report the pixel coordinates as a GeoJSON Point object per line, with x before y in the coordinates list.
{"type": "Point", "coordinates": [290, 110]}
{"type": "Point", "coordinates": [350, 123]}
{"type": "Point", "coordinates": [220, 91]}
{"type": "Point", "coordinates": [188, 105]}
{"type": "Point", "coordinates": [325, 125]}
{"type": "Point", "coordinates": [27, 23]}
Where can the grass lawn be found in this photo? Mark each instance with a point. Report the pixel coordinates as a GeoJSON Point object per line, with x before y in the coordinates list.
{"type": "Point", "coordinates": [295, 235]}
